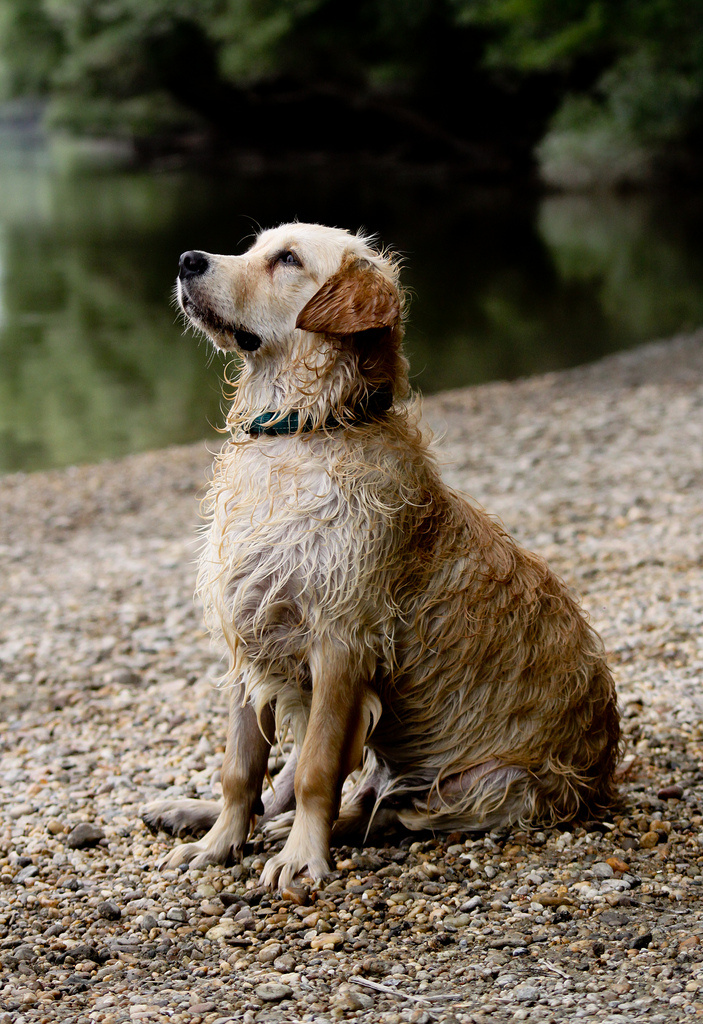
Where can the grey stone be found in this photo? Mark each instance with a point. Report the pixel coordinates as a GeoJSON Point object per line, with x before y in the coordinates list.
{"type": "Point", "coordinates": [273, 991]}
{"type": "Point", "coordinates": [25, 953]}
{"type": "Point", "coordinates": [84, 835]}
{"type": "Point", "coordinates": [30, 871]}
{"type": "Point", "coordinates": [109, 910]}
{"type": "Point", "coordinates": [526, 993]}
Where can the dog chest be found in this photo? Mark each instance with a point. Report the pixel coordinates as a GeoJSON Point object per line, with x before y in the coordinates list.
{"type": "Point", "coordinates": [285, 545]}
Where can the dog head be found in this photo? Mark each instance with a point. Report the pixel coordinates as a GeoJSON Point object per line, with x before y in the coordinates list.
{"type": "Point", "coordinates": [304, 299]}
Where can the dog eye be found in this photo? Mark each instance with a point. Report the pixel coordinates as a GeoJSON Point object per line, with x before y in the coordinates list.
{"type": "Point", "coordinates": [289, 258]}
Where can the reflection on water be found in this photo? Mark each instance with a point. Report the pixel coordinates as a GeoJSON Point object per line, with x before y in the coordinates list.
{"type": "Point", "coordinates": [94, 363]}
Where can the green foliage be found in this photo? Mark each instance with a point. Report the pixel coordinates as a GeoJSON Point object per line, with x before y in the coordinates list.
{"type": "Point", "coordinates": [252, 35]}
{"type": "Point", "coordinates": [104, 63]}
{"type": "Point", "coordinates": [30, 48]}
{"type": "Point", "coordinates": [647, 89]}
{"type": "Point", "coordinates": [623, 78]}
{"type": "Point", "coordinates": [537, 35]}
{"type": "Point", "coordinates": [372, 41]}
{"type": "Point", "coordinates": [89, 55]}
{"type": "Point", "coordinates": [587, 145]}
{"type": "Point", "coordinates": [619, 132]}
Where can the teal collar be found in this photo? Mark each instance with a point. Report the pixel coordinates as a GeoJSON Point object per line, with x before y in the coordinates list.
{"type": "Point", "coordinates": [375, 405]}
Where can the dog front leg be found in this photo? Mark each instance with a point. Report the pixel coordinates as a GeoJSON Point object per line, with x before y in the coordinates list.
{"type": "Point", "coordinates": [333, 746]}
{"type": "Point", "coordinates": [243, 770]}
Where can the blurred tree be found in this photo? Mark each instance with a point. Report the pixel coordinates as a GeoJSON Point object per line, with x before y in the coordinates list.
{"type": "Point", "coordinates": [30, 48]}
{"type": "Point", "coordinates": [617, 85]}
{"type": "Point", "coordinates": [632, 102]}
{"type": "Point", "coordinates": [274, 75]}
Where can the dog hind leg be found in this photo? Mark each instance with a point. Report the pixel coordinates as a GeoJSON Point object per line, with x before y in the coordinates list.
{"type": "Point", "coordinates": [179, 817]}
{"type": "Point", "coordinates": [194, 817]}
{"type": "Point", "coordinates": [487, 796]}
{"type": "Point", "coordinates": [363, 810]}
{"type": "Point", "coordinates": [360, 814]}
{"type": "Point", "coordinates": [279, 800]}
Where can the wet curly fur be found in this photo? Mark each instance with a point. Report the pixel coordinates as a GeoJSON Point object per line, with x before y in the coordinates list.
{"type": "Point", "coordinates": [390, 625]}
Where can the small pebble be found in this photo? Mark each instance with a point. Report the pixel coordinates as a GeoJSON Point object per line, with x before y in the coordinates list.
{"type": "Point", "coordinates": [329, 940]}
{"type": "Point", "coordinates": [375, 966]}
{"type": "Point", "coordinates": [617, 864]}
{"type": "Point", "coordinates": [273, 991]}
{"type": "Point", "coordinates": [352, 999]}
{"type": "Point", "coordinates": [673, 792]}
{"type": "Point", "coordinates": [297, 894]}
{"type": "Point", "coordinates": [24, 953]}
{"type": "Point", "coordinates": [29, 871]}
{"type": "Point", "coordinates": [84, 835]}
{"type": "Point", "coordinates": [269, 953]}
{"type": "Point", "coordinates": [109, 910]}
{"type": "Point", "coordinates": [603, 870]}
{"type": "Point", "coordinates": [526, 994]}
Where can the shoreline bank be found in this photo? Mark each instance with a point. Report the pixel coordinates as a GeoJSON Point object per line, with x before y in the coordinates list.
{"type": "Point", "coordinates": [108, 701]}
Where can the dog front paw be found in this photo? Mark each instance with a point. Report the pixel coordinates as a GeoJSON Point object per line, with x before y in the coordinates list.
{"type": "Point", "coordinates": [221, 845]}
{"type": "Point", "coordinates": [281, 870]}
{"type": "Point", "coordinates": [305, 853]}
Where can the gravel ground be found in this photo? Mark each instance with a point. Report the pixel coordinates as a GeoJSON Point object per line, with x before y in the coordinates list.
{"type": "Point", "coordinates": [108, 701]}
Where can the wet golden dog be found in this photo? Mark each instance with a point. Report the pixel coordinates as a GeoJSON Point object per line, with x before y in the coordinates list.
{"type": "Point", "coordinates": [368, 609]}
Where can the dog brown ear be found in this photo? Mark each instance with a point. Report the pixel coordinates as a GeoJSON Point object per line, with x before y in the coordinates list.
{"type": "Point", "coordinates": [357, 298]}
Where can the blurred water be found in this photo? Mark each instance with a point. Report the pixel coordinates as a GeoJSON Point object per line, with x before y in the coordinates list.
{"type": "Point", "coordinates": [93, 363]}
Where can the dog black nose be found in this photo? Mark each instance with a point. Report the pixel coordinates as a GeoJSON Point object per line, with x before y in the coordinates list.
{"type": "Point", "coordinates": [192, 264]}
